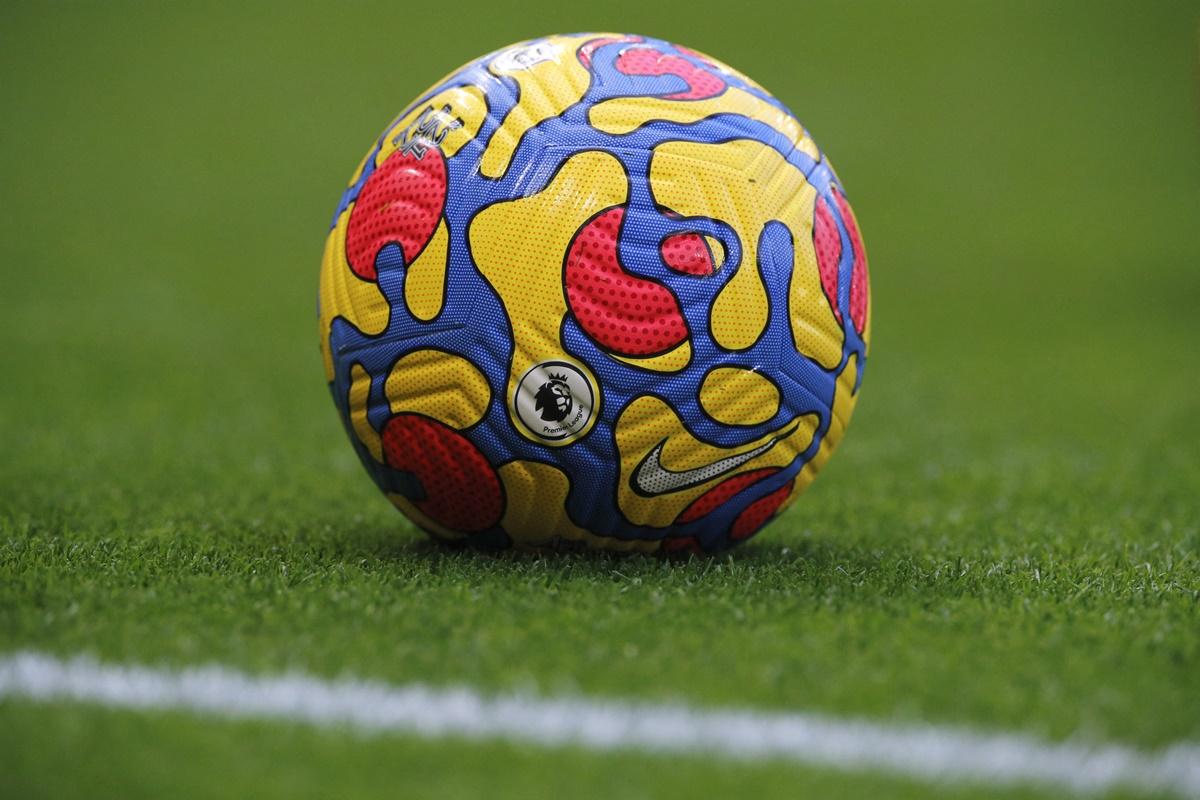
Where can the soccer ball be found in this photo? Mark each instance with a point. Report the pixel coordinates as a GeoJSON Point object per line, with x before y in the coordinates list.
{"type": "Point", "coordinates": [594, 290]}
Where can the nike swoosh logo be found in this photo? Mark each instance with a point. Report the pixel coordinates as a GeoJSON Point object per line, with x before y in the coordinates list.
{"type": "Point", "coordinates": [650, 478]}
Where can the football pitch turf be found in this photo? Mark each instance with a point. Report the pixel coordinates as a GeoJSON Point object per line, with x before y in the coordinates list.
{"type": "Point", "coordinates": [1008, 539]}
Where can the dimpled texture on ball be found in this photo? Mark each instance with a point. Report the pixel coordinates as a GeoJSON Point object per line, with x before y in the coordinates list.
{"type": "Point", "coordinates": [594, 290]}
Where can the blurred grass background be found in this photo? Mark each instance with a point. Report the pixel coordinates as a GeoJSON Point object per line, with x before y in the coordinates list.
{"type": "Point", "coordinates": [1027, 176]}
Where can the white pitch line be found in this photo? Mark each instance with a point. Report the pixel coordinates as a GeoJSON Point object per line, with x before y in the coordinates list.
{"type": "Point", "coordinates": [927, 752]}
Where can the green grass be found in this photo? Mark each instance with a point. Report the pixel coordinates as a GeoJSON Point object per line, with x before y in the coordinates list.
{"type": "Point", "coordinates": [1008, 538]}
{"type": "Point", "coordinates": [172, 755]}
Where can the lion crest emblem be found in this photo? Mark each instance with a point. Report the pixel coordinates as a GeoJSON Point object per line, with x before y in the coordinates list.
{"type": "Point", "coordinates": [553, 399]}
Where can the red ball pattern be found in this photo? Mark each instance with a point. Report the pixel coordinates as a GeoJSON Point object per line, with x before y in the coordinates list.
{"type": "Point", "coordinates": [687, 253]}
{"type": "Point", "coordinates": [462, 491]}
{"type": "Point", "coordinates": [623, 313]}
{"type": "Point", "coordinates": [649, 61]}
{"type": "Point", "coordinates": [400, 203]}
{"type": "Point", "coordinates": [758, 513]}
{"type": "Point", "coordinates": [859, 285]}
{"type": "Point", "coordinates": [585, 52]}
{"type": "Point", "coordinates": [827, 241]}
{"type": "Point", "coordinates": [715, 497]}
{"type": "Point", "coordinates": [698, 56]}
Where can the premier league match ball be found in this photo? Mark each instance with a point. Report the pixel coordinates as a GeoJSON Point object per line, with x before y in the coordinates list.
{"type": "Point", "coordinates": [594, 290]}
